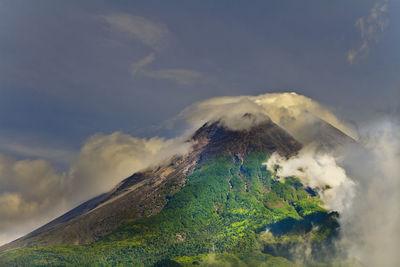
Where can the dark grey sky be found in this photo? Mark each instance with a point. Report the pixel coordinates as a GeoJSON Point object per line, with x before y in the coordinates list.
{"type": "Point", "coordinates": [69, 69]}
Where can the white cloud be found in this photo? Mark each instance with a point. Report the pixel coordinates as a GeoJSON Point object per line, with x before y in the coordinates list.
{"type": "Point", "coordinates": [371, 28]}
{"type": "Point", "coordinates": [152, 34]}
{"type": "Point", "coordinates": [318, 171]}
{"type": "Point", "coordinates": [180, 76]}
{"type": "Point", "coordinates": [106, 159]}
{"type": "Point", "coordinates": [295, 113]}
{"type": "Point", "coordinates": [32, 192]}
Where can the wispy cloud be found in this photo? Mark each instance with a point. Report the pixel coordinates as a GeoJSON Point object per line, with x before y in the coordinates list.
{"type": "Point", "coordinates": [150, 33]}
{"type": "Point", "coordinates": [154, 35]}
{"type": "Point", "coordinates": [180, 76]}
{"type": "Point", "coordinates": [371, 28]}
{"type": "Point", "coordinates": [140, 66]}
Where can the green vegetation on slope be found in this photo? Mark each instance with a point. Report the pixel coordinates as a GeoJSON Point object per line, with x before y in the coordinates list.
{"type": "Point", "coordinates": [229, 211]}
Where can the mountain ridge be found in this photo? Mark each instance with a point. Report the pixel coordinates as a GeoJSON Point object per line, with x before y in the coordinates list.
{"type": "Point", "coordinates": [210, 140]}
{"type": "Point", "coordinates": [219, 199]}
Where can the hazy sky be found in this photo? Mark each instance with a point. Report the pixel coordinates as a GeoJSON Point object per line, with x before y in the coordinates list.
{"type": "Point", "coordinates": [69, 69]}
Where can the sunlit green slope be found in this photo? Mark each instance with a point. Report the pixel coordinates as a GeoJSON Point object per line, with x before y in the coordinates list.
{"type": "Point", "coordinates": [229, 212]}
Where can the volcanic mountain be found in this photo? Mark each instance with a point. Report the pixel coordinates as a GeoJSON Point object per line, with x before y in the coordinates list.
{"type": "Point", "coordinates": [218, 198]}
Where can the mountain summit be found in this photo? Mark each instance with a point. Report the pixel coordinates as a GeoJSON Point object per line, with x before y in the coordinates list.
{"type": "Point", "coordinates": [218, 197]}
{"type": "Point", "coordinates": [265, 137]}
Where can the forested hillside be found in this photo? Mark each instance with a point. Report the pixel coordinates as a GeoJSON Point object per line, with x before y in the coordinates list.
{"type": "Point", "coordinates": [229, 211]}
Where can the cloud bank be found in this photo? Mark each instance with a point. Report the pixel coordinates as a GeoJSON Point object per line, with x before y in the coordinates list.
{"type": "Point", "coordinates": [32, 192]}
{"type": "Point", "coordinates": [371, 226]}
{"type": "Point", "coordinates": [105, 160]}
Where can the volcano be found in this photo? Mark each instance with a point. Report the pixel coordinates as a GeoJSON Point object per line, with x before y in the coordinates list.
{"type": "Point", "coordinates": [219, 199]}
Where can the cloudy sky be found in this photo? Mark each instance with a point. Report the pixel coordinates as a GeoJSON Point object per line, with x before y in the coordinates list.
{"type": "Point", "coordinates": [79, 77]}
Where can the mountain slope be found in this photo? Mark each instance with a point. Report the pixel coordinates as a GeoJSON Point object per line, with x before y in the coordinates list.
{"type": "Point", "coordinates": [225, 208]}
{"type": "Point", "coordinates": [146, 193]}
{"type": "Point", "coordinates": [217, 204]}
